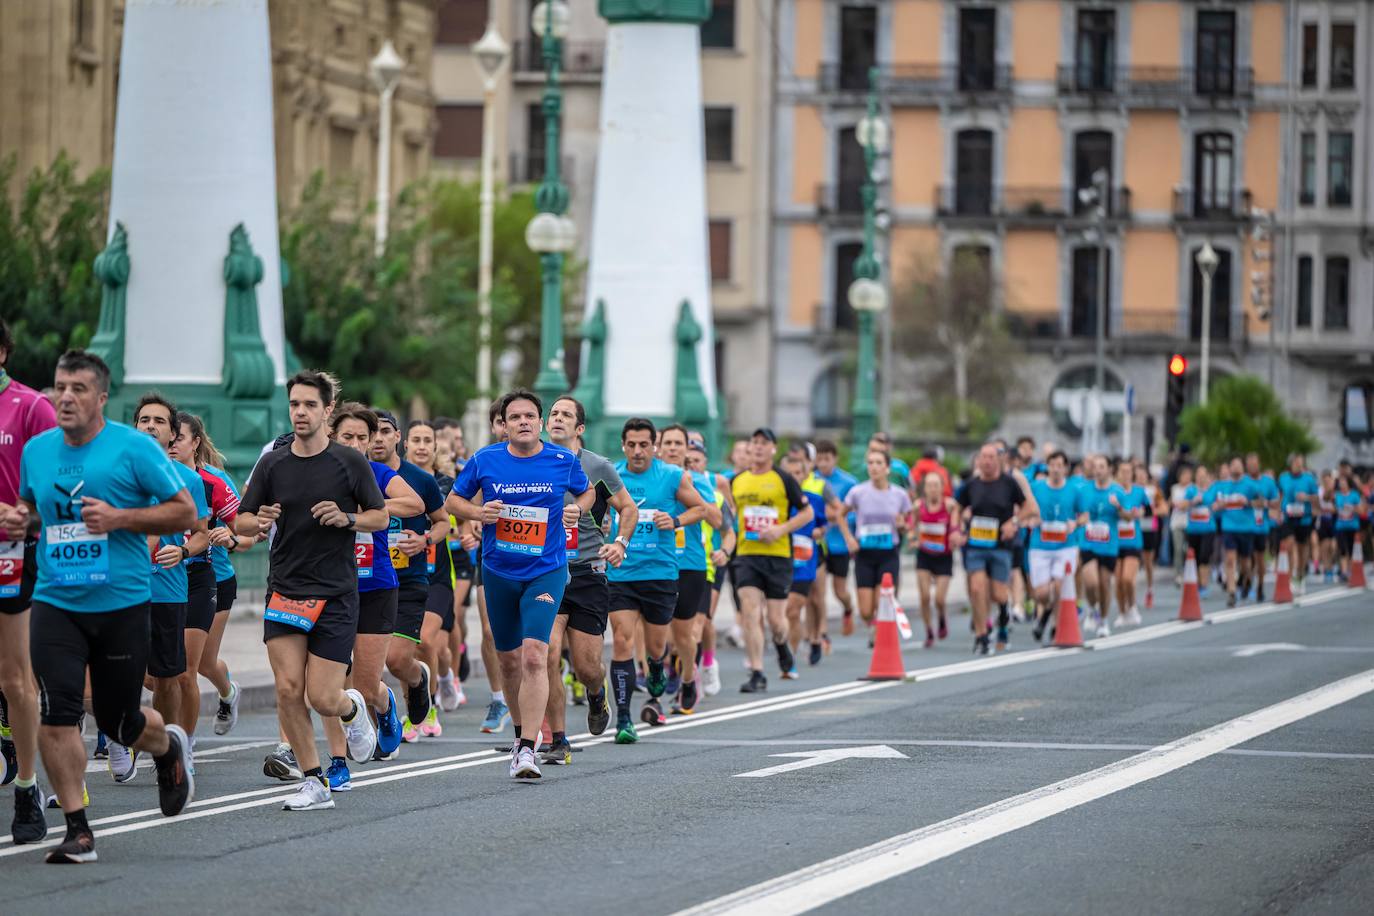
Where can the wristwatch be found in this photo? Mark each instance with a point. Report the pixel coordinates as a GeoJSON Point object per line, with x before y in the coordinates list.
{"type": "Point", "coordinates": [352, 519]}
{"type": "Point", "coordinates": [620, 539]}
{"type": "Point", "coordinates": [185, 554]}
{"type": "Point", "coordinates": [677, 522]}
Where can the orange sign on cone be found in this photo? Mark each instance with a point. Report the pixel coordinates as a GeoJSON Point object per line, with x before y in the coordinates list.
{"type": "Point", "coordinates": [1357, 579]}
{"type": "Point", "coordinates": [1283, 579]}
{"type": "Point", "coordinates": [887, 650]}
{"type": "Point", "coordinates": [1190, 608]}
{"type": "Point", "coordinates": [1067, 633]}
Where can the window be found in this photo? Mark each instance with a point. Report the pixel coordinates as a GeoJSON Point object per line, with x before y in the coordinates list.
{"type": "Point", "coordinates": [1096, 60]}
{"type": "Point", "coordinates": [1336, 302]}
{"type": "Point", "coordinates": [1216, 52]}
{"type": "Point", "coordinates": [1342, 55]}
{"type": "Point", "coordinates": [720, 134]}
{"type": "Point", "coordinates": [973, 173]}
{"type": "Point", "coordinates": [1221, 297]}
{"type": "Point", "coordinates": [340, 151]}
{"type": "Point", "coordinates": [846, 319]}
{"type": "Point", "coordinates": [853, 173]}
{"type": "Point", "coordinates": [719, 30]}
{"type": "Point", "coordinates": [460, 22]}
{"type": "Point", "coordinates": [1092, 150]}
{"type": "Point", "coordinates": [1303, 318]}
{"type": "Point", "coordinates": [858, 45]}
{"type": "Point", "coordinates": [1307, 176]}
{"type": "Point", "coordinates": [1212, 175]}
{"type": "Point", "coordinates": [1340, 151]}
{"type": "Point", "coordinates": [718, 242]}
{"type": "Point", "coordinates": [977, 48]}
{"type": "Point", "coordinates": [1084, 303]}
{"type": "Point", "coordinates": [84, 27]}
{"type": "Point", "coordinates": [1309, 56]}
{"type": "Point", "coordinates": [460, 132]}
{"type": "Point", "coordinates": [832, 399]}
{"type": "Point", "coordinates": [1357, 418]}
{"type": "Point", "coordinates": [534, 144]}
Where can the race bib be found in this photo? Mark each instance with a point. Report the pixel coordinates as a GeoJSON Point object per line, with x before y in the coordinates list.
{"type": "Point", "coordinates": [363, 554]}
{"type": "Point", "coordinates": [1125, 530]}
{"type": "Point", "coordinates": [680, 541]}
{"type": "Point", "coordinates": [1259, 517]}
{"type": "Point", "coordinates": [932, 536]}
{"type": "Point", "coordinates": [77, 557]}
{"type": "Point", "coordinates": [803, 549]}
{"type": "Point", "coordinates": [1236, 501]}
{"type": "Point", "coordinates": [11, 568]}
{"type": "Point", "coordinates": [983, 531]}
{"type": "Point", "coordinates": [1295, 510]}
{"type": "Point", "coordinates": [430, 554]}
{"type": "Point", "coordinates": [300, 613]}
{"type": "Point", "coordinates": [1054, 532]}
{"type": "Point", "coordinates": [1098, 533]}
{"type": "Point", "coordinates": [758, 519]}
{"type": "Point", "coordinates": [570, 542]}
{"type": "Point", "coordinates": [1347, 512]}
{"type": "Point", "coordinates": [877, 537]}
{"type": "Point", "coordinates": [399, 558]}
{"type": "Point", "coordinates": [1200, 514]}
{"type": "Point", "coordinates": [522, 529]}
{"type": "Point", "coordinates": [646, 531]}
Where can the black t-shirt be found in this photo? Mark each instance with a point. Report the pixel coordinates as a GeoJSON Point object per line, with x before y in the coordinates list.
{"type": "Point", "coordinates": [443, 563]}
{"type": "Point", "coordinates": [310, 560]}
{"type": "Point", "coordinates": [996, 498]}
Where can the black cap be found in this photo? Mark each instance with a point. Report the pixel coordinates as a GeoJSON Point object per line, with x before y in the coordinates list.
{"type": "Point", "coordinates": [388, 416]}
{"type": "Point", "coordinates": [766, 433]}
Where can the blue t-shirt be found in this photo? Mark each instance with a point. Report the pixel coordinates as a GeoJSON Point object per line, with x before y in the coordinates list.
{"type": "Point", "coordinates": [1347, 510]}
{"type": "Point", "coordinates": [690, 545]}
{"type": "Point", "coordinates": [652, 553]}
{"type": "Point", "coordinates": [219, 556]}
{"type": "Point", "coordinates": [79, 571]}
{"type": "Point", "coordinates": [1269, 492]}
{"type": "Point", "coordinates": [424, 484]}
{"type": "Point", "coordinates": [170, 585]}
{"type": "Point", "coordinates": [1128, 529]}
{"type": "Point", "coordinates": [841, 481]}
{"type": "Point", "coordinates": [1100, 533]}
{"type": "Point", "coordinates": [1200, 518]}
{"type": "Point", "coordinates": [370, 550]}
{"type": "Point", "coordinates": [805, 556]}
{"type": "Point", "coordinates": [528, 539]}
{"type": "Point", "coordinates": [1059, 509]}
{"type": "Point", "coordinates": [1290, 487]}
{"type": "Point", "coordinates": [1237, 515]}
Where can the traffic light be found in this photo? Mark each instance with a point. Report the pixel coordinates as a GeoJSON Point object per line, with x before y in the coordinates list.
{"type": "Point", "coordinates": [1174, 394]}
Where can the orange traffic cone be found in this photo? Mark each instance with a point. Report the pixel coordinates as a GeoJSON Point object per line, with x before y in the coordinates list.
{"type": "Point", "coordinates": [1190, 608]}
{"type": "Point", "coordinates": [1357, 579]}
{"type": "Point", "coordinates": [1067, 634]}
{"type": "Point", "coordinates": [1283, 579]}
{"type": "Point", "coordinates": [887, 651]}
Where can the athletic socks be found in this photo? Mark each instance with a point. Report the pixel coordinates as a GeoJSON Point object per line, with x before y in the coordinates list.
{"type": "Point", "coordinates": [527, 743]}
{"type": "Point", "coordinates": [559, 737]}
{"type": "Point", "coordinates": [498, 696]}
{"type": "Point", "coordinates": [623, 682]}
{"type": "Point", "coordinates": [708, 658]}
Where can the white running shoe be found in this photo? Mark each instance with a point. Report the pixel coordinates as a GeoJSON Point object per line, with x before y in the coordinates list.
{"type": "Point", "coordinates": [1133, 617]}
{"type": "Point", "coordinates": [227, 715]}
{"type": "Point", "coordinates": [524, 766]}
{"type": "Point", "coordinates": [123, 763]}
{"type": "Point", "coordinates": [448, 694]}
{"type": "Point", "coordinates": [361, 734]}
{"type": "Point", "coordinates": [462, 697]}
{"type": "Point", "coordinates": [311, 795]}
{"type": "Point", "coordinates": [1103, 629]}
{"type": "Point", "coordinates": [710, 678]}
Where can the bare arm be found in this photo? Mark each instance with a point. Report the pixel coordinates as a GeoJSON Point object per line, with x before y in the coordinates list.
{"type": "Point", "coordinates": [176, 514]}
{"type": "Point", "coordinates": [401, 499]}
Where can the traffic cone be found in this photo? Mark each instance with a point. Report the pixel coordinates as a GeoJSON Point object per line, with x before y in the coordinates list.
{"type": "Point", "coordinates": [1190, 608]}
{"type": "Point", "coordinates": [1067, 634]}
{"type": "Point", "coordinates": [1283, 580]}
{"type": "Point", "coordinates": [887, 651]}
{"type": "Point", "coordinates": [1357, 579]}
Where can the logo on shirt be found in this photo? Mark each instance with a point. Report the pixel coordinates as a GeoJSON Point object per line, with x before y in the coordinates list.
{"type": "Point", "coordinates": [545, 597]}
{"type": "Point", "coordinates": [68, 509]}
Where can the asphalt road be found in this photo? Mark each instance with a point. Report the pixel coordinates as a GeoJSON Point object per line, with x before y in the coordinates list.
{"type": "Point", "coordinates": [1198, 768]}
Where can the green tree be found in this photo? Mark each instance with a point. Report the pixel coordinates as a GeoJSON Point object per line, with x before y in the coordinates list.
{"type": "Point", "coordinates": [51, 228]}
{"type": "Point", "coordinates": [1242, 415]}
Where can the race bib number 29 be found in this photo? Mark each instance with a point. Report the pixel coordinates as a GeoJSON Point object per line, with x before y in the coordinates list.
{"type": "Point", "coordinates": [75, 556]}
{"type": "Point", "coordinates": [522, 529]}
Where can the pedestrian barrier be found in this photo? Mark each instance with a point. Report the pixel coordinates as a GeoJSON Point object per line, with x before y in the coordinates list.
{"type": "Point", "coordinates": [1357, 579]}
{"type": "Point", "coordinates": [1283, 579]}
{"type": "Point", "coordinates": [1067, 633]}
{"type": "Point", "coordinates": [1190, 608]}
{"type": "Point", "coordinates": [887, 662]}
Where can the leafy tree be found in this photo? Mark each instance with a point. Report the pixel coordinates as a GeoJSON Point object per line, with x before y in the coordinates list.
{"type": "Point", "coordinates": [51, 229]}
{"type": "Point", "coordinates": [1243, 414]}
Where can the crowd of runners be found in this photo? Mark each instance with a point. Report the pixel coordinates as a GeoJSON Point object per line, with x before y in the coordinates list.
{"type": "Point", "coordinates": [116, 577]}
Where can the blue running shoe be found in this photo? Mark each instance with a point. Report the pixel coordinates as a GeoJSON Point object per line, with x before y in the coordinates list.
{"type": "Point", "coordinates": [497, 714]}
{"type": "Point", "coordinates": [389, 728]}
{"type": "Point", "coordinates": [340, 780]}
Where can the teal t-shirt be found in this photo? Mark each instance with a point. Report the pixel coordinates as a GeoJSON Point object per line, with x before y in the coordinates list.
{"type": "Point", "coordinates": [170, 585]}
{"type": "Point", "coordinates": [652, 554]}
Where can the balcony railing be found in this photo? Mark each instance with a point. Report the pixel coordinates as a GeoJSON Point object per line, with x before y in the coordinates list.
{"type": "Point", "coordinates": [1139, 328]}
{"type": "Point", "coordinates": [580, 58]}
{"type": "Point", "coordinates": [1020, 203]}
{"type": "Point", "coordinates": [528, 168]}
{"type": "Point", "coordinates": [844, 198]}
{"type": "Point", "coordinates": [1156, 85]}
{"type": "Point", "coordinates": [927, 80]}
{"type": "Point", "coordinates": [1213, 206]}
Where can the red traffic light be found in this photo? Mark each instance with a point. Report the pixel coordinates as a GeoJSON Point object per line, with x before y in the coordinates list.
{"type": "Point", "coordinates": [1177, 364]}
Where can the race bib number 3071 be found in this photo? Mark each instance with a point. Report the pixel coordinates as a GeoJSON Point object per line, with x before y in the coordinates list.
{"type": "Point", "coordinates": [522, 529]}
{"type": "Point", "coordinates": [75, 556]}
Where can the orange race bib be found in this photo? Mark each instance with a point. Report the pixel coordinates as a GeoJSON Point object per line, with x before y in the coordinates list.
{"type": "Point", "coordinates": [522, 529]}
{"type": "Point", "coordinates": [430, 553]}
{"type": "Point", "coordinates": [301, 613]}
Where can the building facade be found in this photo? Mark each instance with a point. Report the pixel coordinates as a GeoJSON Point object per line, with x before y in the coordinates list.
{"type": "Point", "coordinates": [1239, 124]}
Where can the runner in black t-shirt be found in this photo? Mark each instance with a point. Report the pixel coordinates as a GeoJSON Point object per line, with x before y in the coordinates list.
{"type": "Point", "coordinates": [319, 494]}
{"type": "Point", "coordinates": [992, 501]}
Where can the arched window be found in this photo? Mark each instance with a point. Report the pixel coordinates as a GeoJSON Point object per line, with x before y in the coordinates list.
{"type": "Point", "coordinates": [832, 399]}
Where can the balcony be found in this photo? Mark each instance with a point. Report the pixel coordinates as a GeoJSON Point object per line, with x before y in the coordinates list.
{"type": "Point", "coordinates": [528, 168]}
{"type": "Point", "coordinates": [903, 84]}
{"type": "Point", "coordinates": [1140, 332]}
{"type": "Point", "coordinates": [842, 199]}
{"type": "Point", "coordinates": [1156, 87]}
{"type": "Point", "coordinates": [1211, 207]}
{"type": "Point", "coordinates": [1021, 205]}
{"type": "Point", "coordinates": [581, 61]}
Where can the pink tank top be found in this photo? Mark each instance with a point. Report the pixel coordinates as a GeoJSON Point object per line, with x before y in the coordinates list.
{"type": "Point", "coordinates": [24, 413]}
{"type": "Point", "coordinates": [932, 529]}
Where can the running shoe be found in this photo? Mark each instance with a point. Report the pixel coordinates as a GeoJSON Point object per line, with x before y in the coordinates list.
{"type": "Point", "coordinates": [1038, 631]}
{"type": "Point", "coordinates": [524, 766]}
{"type": "Point", "coordinates": [409, 732]}
{"type": "Point", "coordinates": [652, 713]}
{"type": "Point", "coordinates": [791, 674]}
{"type": "Point", "coordinates": [980, 645]}
{"type": "Point", "coordinates": [417, 697]}
{"type": "Point", "coordinates": [943, 630]}
{"type": "Point", "coordinates": [674, 683]}
{"type": "Point", "coordinates": [757, 683]}
{"type": "Point", "coordinates": [340, 780]}
{"type": "Point", "coordinates": [559, 753]}
{"type": "Point", "coordinates": [30, 824]}
{"type": "Point", "coordinates": [1259, 593]}
{"type": "Point", "coordinates": [816, 654]}
{"type": "Point", "coordinates": [786, 663]}
{"type": "Point", "coordinates": [227, 716]}
{"type": "Point", "coordinates": [122, 763]}
{"type": "Point", "coordinates": [389, 728]}
{"type": "Point", "coordinates": [176, 780]}
{"type": "Point", "coordinates": [657, 681]}
{"type": "Point", "coordinates": [53, 804]}
{"type": "Point", "coordinates": [1149, 599]}
{"type": "Point", "coordinates": [11, 761]}
{"type": "Point", "coordinates": [710, 678]}
{"type": "Point", "coordinates": [847, 623]}
{"type": "Point", "coordinates": [360, 732]}
{"type": "Point", "coordinates": [448, 694]}
{"type": "Point", "coordinates": [686, 703]}
{"type": "Point", "coordinates": [1203, 591]}
{"type": "Point", "coordinates": [1230, 599]}
{"type": "Point", "coordinates": [598, 713]}
{"type": "Point", "coordinates": [74, 850]}
{"type": "Point", "coordinates": [281, 764]}
{"type": "Point", "coordinates": [311, 795]}
{"type": "Point", "coordinates": [430, 728]}
{"type": "Point", "coordinates": [1103, 629]}
{"type": "Point", "coordinates": [1002, 639]}
{"type": "Point", "coordinates": [1133, 618]}
{"type": "Point", "coordinates": [625, 732]}
{"type": "Point", "coordinates": [825, 643]}
{"type": "Point", "coordinates": [102, 747]}
{"type": "Point", "coordinates": [930, 639]}
{"type": "Point", "coordinates": [497, 714]}
{"type": "Point", "coordinates": [462, 697]}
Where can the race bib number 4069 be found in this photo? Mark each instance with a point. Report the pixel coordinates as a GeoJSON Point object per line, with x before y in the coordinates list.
{"type": "Point", "coordinates": [75, 556]}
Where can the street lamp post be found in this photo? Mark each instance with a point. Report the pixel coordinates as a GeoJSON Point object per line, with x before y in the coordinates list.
{"type": "Point", "coordinates": [867, 296]}
{"type": "Point", "coordinates": [1094, 431]}
{"type": "Point", "coordinates": [551, 233]}
{"type": "Point", "coordinates": [385, 69]}
{"type": "Point", "coordinates": [491, 52]}
{"type": "Point", "coordinates": [1207, 261]}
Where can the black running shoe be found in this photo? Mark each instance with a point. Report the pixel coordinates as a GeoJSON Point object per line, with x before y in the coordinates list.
{"type": "Point", "coordinates": [598, 713]}
{"type": "Point", "coordinates": [75, 850]}
{"type": "Point", "coordinates": [980, 645]}
{"type": "Point", "coordinates": [817, 650]}
{"type": "Point", "coordinates": [687, 700]}
{"type": "Point", "coordinates": [176, 785]}
{"type": "Point", "coordinates": [559, 753]}
{"type": "Point", "coordinates": [464, 666]}
{"type": "Point", "coordinates": [757, 683]}
{"type": "Point", "coordinates": [417, 697]}
{"type": "Point", "coordinates": [30, 824]}
{"type": "Point", "coordinates": [10, 761]}
{"type": "Point", "coordinates": [652, 713]}
{"type": "Point", "coordinates": [785, 660]}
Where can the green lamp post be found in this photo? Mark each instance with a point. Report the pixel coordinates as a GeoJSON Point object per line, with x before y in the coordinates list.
{"type": "Point", "coordinates": [551, 233]}
{"type": "Point", "coordinates": [867, 296]}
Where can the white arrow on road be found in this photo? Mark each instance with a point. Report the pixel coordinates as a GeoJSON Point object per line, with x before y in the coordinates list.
{"type": "Point", "coordinates": [1261, 648]}
{"type": "Point", "coordinates": [816, 758]}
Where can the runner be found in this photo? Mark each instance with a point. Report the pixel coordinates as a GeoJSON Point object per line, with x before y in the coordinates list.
{"type": "Point", "coordinates": [1054, 542]}
{"type": "Point", "coordinates": [320, 494]}
{"type": "Point", "coordinates": [1178, 520]}
{"type": "Point", "coordinates": [880, 512]}
{"type": "Point", "coordinates": [1151, 528]}
{"type": "Point", "coordinates": [763, 561]}
{"type": "Point", "coordinates": [1298, 493]}
{"type": "Point", "coordinates": [836, 551]}
{"type": "Point", "coordinates": [830, 513]}
{"type": "Point", "coordinates": [24, 414]}
{"type": "Point", "coordinates": [805, 561]}
{"type": "Point", "coordinates": [1130, 543]}
{"type": "Point", "coordinates": [937, 537]}
{"type": "Point", "coordinates": [1101, 513]}
{"type": "Point", "coordinates": [1200, 533]}
{"type": "Point", "coordinates": [1350, 506]}
{"type": "Point", "coordinates": [1238, 497]}
{"type": "Point", "coordinates": [524, 556]}
{"type": "Point", "coordinates": [497, 711]}
{"type": "Point", "coordinates": [99, 489]}
{"type": "Point", "coordinates": [1266, 510]}
{"type": "Point", "coordinates": [720, 545]}
{"type": "Point", "coordinates": [1326, 525]}
{"type": "Point", "coordinates": [995, 505]}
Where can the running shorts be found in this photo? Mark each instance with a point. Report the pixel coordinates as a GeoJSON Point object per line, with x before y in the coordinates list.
{"type": "Point", "coordinates": [801, 587]}
{"type": "Point", "coordinates": [1242, 542]}
{"type": "Point", "coordinates": [439, 601]}
{"type": "Point", "coordinates": [937, 564]}
{"type": "Point", "coordinates": [1046, 566]}
{"type": "Point", "coordinates": [114, 645]}
{"type": "Point", "coordinates": [837, 564]}
{"type": "Point", "coordinates": [994, 561]}
{"type": "Point", "coordinates": [167, 642]}
{"type": "Point", "coordinates": [520, 610]}
{"type": "Point", "coordinates": [377, 612]}
{"type": "Point", "coordinates": [869, 566]}
{"type": "Point", "coordinates": [332, 636]}
{"type": "Point", "coordinates": [1128, 553]}
{"type": "Point", "coordinates": [1201, 545]}
{"type": "Point", "coordinates": [410, 608]}
{"type": "Point", "coordinates": [1298, 529]}
{"type": "Point", "coordinates": [770, 575]}
{"type": "Point", "coordinates": [654, 599]}
{"type": "Point", "coordinates": [1103, 560]}
{"type": "Point", "coordinates": [586, 601]}
{"type": "Point", "coordinates": [693, 597]}
{"type": "Point", "coordinates": [1345, 543]}
{"type": "Point", "coordinates": [226, 593]}
{"type": "Point", "coordinates": [201, 600]}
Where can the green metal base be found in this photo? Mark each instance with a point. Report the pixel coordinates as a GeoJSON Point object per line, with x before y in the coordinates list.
{"type": "Point", "coordinates": [603, 435]}
{"type": "Point", "coordinates": [686, 11]}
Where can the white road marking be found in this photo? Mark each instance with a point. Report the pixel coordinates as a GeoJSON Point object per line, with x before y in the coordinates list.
{"type": "Point", "coordinates": [1251, 651]}
{"type": "Point", "coordinates": [833, 879]}
{"type": "Point", "coordinates": [830, 755]}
